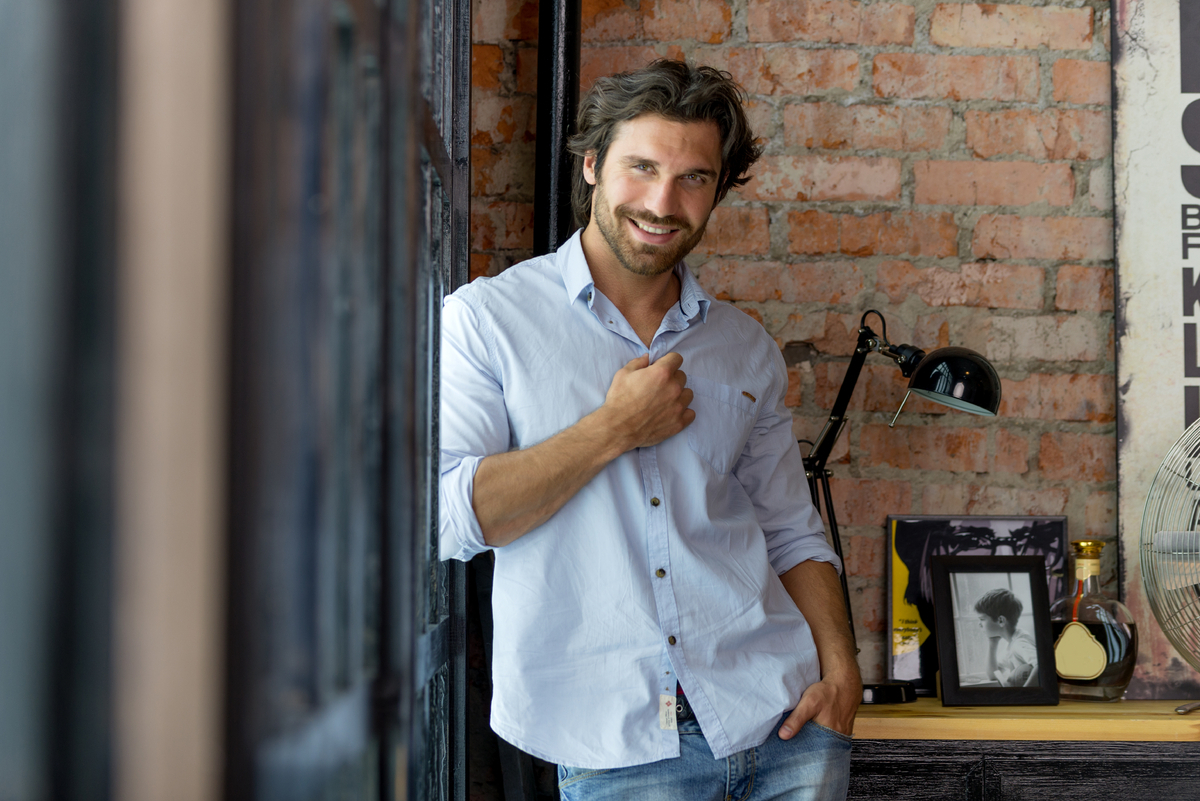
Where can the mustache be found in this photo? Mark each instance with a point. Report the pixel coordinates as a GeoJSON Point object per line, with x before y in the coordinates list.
{"type": "Point", "coordinates": [657, 222]}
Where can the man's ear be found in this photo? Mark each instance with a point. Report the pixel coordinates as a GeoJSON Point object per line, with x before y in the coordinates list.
{"type": "Point", "coordinates": [1002, 621]}
{"type": "Point", "coordinates": [589, 168]}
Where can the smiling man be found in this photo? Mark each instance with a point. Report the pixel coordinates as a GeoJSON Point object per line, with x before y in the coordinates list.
{"type": "Point", "coordinates": [668, 618]}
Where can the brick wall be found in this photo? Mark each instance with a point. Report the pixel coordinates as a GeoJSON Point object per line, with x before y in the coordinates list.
{"type": "Point", "coordinates": [946, 163]}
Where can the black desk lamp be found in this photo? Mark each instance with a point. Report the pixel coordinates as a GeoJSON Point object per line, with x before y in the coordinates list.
{"type": "Point", "coordinates": [955, 377]}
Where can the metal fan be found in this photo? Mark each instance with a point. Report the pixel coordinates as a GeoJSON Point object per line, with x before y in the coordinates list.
{"type": "Point", "coordinates": [1170, 547]}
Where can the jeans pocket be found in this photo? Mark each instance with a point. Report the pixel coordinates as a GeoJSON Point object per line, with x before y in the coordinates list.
{"type": "Point", "coordinates": [724, 417]}
{"type": "Point", "coordinates": [817, 727]}
{"type": "Point", "coordinates": [568, 775]}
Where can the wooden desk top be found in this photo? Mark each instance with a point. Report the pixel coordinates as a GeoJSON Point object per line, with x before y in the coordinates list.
{"type": "Point", "coordinates": [927, 719]}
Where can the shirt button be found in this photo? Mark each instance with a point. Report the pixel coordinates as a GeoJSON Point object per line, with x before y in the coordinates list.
{"type": "Point", "coordinates": [655, 501]}
{"type": "Point", "coordinates": [671, 639]}
{"type": "Point", "coordinates": [660, 572]}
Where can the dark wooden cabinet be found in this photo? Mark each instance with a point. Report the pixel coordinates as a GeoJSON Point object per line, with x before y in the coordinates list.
{"type": "Point", "coordinates": [1131, 750]}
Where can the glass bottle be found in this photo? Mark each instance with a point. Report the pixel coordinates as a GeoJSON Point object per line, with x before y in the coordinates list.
{"type": "Point", "coordinates": [1095, 639]}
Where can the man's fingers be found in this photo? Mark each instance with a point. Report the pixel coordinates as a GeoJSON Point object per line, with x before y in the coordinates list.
{"type": "Point", "coordinates": [795, 721]}
{"type": "Point", "coordinates": [686, 397]}
{"type": "Point", "coordinates": [670, 361]}
{"type": "Point", "coordinates": [640, 363]}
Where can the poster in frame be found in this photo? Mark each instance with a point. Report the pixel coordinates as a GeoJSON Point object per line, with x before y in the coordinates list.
{"type": "Point", "coordinates": [911, 542]}
{"type": "Point", "coordinates": [993, 630]}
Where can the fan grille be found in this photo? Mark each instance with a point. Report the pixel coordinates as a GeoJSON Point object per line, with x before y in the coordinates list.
{"type": "Point", "coordinates": [1170, 545]}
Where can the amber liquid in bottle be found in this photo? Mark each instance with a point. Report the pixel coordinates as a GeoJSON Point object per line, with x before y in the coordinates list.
{"type": "Point", "coordinates": [1094, 635]}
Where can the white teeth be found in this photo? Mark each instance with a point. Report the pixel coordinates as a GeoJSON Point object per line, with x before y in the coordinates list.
{"type": "Point", "coordinates": [650, 229]}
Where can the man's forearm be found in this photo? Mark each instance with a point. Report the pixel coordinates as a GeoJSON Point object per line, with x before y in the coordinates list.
{"type": "Point", "coordinates": [817, 592]}
{"type": "Point", "coordinates": [516, 492]}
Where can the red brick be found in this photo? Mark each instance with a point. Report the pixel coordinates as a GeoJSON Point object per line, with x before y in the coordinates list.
{"type": "Point", "coordinates": [1083, 82]}
{"type": "Point", "coordinates": [609, 21]}
{"type": "Point", "coordinates": [750, 312]}
{"type": "Point", "coordinates": [900, 234]}
{"type": "Point", "coordinates": [736, 231]}
{"type": "Point", "coordinates": [1002, 236]}
{"type": "Point", "coordinates": [823, 178]}
{"type": "Point", "coordinates": [500, 20]}
{"type": "Point", "coordinates": [1073, 396]}
{"type": "Point", "coordinates": [598, 62]}
{"type": "Point", "coordinates": [794, 397]}
{"type": "Point", "coordinates": [501, 225]}
{"type": "Point", "coordinates": [809, 428]}
{"type": "Point", "coordinates": [509, 172]}
{"type": "Point", "coordinates": [1080, 288]}
{"type": "Point", "coordinates": [487, 65]}
{"type": "Point", "coordinates": [707, 21]}
{"type": "Point", "coordinates": [761, 116]}
{"type": "Point", "coordinates": [1012, 452]}
{"type": "Point", "coordinates": [865, 556]}
{"type": "Point", "coordinates": [988, 284]}
{"type": "Point", "coordinates": [790, 283]}
{"type": "Point", "coordinates": [869, 607]}
{"type": "Point", "coordinates": [829, 333]}
{"type": "Point", "coordinates": [1100, 515]}
{"type": "Point", "coordinates": [973, 499]}
{"type": "Point", "coordinates": [886, 233]}
{"type": "Point", "coordinates": [835, 21]}
{"type": "Point", "coordinates": [1052, 339]}
{"type": "Point", "coordinates": [1065, 456]}
{"type": "Point", "coordinates": [919, 75]}
{"type": "Point", "coordinates": [924, 448]}
{"type": "Point", "coordinates": [814, 232]}
{"type": "Point", "coordinates": [868, 501]}
{"type": "Point", "coordinates": [880, 388]}
{"type": "Point", "coordinates": [498, 120]}
{"type": "Point", "coordinates": [1024, 27]}
{"type": "Point", "coordinates": [1049, 134]}
{"type": "Point", "coordinates": [932, 331]}
{"type": "Point", "coordinates": [992, 183]}
{"type": "Point", "coordinates": [484, 264]}
{"type": "Point", "coordinates": [527, 70]}
{"type": "Point", "coordinates": [785, 70]}
{"type": "Point", "coordinates": [861, 127]}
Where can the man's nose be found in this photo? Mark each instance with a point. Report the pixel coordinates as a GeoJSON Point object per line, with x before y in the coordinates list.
{"type": "Point", "coordinates": [662, 199]}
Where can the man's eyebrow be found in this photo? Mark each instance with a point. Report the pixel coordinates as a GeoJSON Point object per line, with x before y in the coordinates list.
{"type": "Point", "coordinates": [629, 161]}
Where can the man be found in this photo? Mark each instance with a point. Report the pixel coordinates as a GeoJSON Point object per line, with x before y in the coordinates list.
{"type": "Point", "coordinates": [668, 618]}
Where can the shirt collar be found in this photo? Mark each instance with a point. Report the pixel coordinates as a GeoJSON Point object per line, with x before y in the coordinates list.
{"type": "Point", "coordinates": [577, 279]}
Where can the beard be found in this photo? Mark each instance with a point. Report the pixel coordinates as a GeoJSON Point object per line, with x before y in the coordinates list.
{"type": "Point", "coordinates": [643, 258]}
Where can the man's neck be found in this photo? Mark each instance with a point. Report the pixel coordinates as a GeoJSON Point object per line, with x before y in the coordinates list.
{"type": "Point", "coordinates": [642, 299]}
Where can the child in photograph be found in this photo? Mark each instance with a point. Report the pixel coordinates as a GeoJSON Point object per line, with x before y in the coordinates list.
{"type": "Point", "coordinates": [998, 612]}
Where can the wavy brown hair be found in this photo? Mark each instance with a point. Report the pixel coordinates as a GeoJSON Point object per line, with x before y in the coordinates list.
{"type": "Point", "coordinates": [677, 91]}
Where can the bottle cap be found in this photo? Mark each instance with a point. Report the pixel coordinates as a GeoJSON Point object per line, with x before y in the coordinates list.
{"type": "Point", "coordinates": [1087, 549]}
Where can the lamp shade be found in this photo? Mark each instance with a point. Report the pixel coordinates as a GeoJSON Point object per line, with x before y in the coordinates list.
{"type": "Point", "coordinates": [959, 378]}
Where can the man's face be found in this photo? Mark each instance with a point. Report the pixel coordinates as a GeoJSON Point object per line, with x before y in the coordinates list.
{"type": "Point", "coordinates": [993, 627]}
{"type": "Point", "coordinates": [655, 190]}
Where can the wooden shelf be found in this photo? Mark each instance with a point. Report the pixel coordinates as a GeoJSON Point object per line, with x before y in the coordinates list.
{"type": "Point", "coordinates": [927, 719]}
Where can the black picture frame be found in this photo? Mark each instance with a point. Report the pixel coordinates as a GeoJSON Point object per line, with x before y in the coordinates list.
{"type": "Point", "coordinates": [980, 664]}
{"type": "Point", "coordinates": [911, 651]}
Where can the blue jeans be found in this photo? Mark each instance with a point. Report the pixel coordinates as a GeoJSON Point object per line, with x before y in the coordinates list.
{"type": "Point", "coordinates": [812, 766]}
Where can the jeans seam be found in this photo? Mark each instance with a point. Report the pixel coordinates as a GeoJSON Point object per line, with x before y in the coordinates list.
{"type": "Point", "coordinates": [753, 773]}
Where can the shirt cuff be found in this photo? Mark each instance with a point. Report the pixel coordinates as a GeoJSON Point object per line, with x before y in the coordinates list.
{"type": "Point", "coordinates": [459, 534]}
{"type": "Point", "coordinates": [790, 556]}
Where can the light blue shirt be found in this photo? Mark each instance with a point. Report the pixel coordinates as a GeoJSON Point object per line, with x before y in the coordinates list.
{"type": "Point", "coordinates": [588, 635]}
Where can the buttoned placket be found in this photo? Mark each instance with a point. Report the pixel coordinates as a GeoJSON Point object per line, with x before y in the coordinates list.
{"type": "Point", "coordinates": [657, 505]}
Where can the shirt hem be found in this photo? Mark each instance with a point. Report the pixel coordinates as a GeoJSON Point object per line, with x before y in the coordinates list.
{"type": "Point", "coordinates": [545, 756]}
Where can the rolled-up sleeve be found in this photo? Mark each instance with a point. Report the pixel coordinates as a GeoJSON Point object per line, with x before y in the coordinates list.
{"type": "Point", "coordinates": [771, 471]}
{"type": "Point", "coordinates": [474, 423]}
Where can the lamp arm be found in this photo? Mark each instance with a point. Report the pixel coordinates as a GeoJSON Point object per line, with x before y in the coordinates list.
{"type": "Point", "coordinates": [823, 447]}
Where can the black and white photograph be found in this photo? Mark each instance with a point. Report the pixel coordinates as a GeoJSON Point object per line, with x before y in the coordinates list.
{"type": "Point", "coordinates": [993, 628]}
{"type": "Point", "coordinates": [994, 640]}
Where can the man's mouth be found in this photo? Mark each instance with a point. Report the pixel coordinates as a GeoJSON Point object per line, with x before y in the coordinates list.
{"type": "Point", "coordinates": [653, 229]}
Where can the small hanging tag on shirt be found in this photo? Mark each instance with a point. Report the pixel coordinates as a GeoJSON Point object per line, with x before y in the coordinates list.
{"type": "Point", "coordinates": [666, 712]}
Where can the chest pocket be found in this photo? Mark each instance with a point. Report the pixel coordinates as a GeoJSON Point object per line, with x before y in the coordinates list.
{"type": "Point", "coordinates": [724, 417]}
